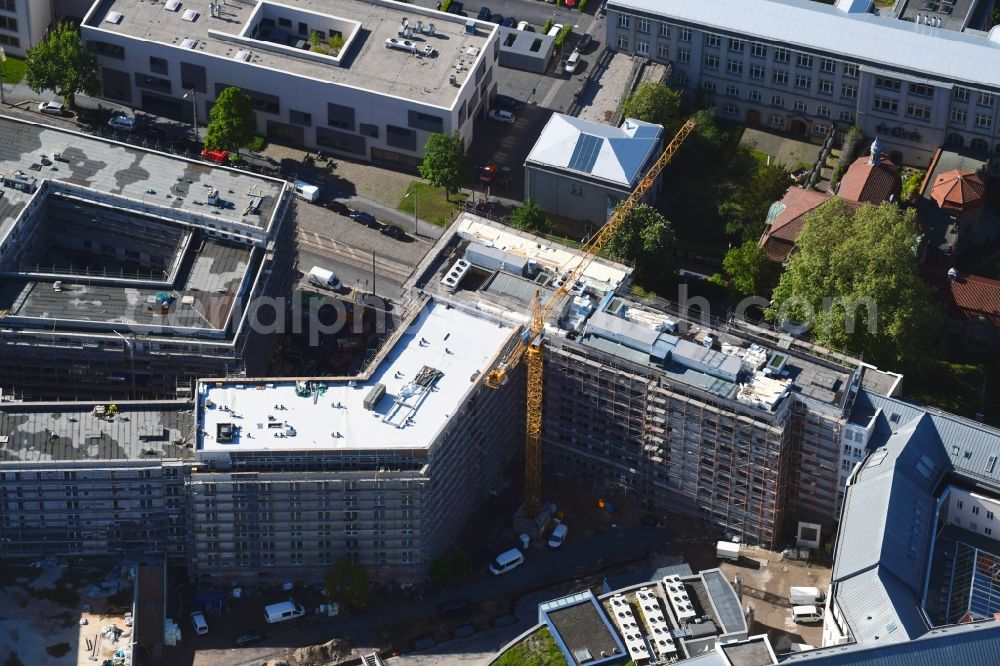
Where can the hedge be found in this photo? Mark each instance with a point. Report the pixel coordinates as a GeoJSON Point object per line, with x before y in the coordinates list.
{"type": "Point", "coordinates": [563, 34]}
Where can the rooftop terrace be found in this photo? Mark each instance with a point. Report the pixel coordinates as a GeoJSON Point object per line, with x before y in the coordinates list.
{"type": "Point", "coordinates": [261, 34]}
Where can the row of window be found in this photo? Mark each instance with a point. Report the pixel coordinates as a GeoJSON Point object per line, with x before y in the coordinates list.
{"type": "Point", "coordinates": [822, 110]}
{"type": "Point", "coordinates": [8, 6]}
{"type": "Point", "coordinates": [960, 116]}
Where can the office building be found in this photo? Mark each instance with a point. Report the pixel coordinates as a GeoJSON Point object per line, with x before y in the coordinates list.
{"type": "Point", "coordinates": [23, 24]}
{"type": "Point", "coordinates": [810, 68]}
{"type": "Point", "coordinates": [371, 80]}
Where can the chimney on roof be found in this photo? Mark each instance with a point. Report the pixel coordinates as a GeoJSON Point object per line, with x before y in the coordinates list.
{"type": "Point", "coordinates": [952, 274]}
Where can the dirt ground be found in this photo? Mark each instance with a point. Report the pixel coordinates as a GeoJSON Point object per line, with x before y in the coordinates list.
{"type": "Point", "coordinates": [40, 621]}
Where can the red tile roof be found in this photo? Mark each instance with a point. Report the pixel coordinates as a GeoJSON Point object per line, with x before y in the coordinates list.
{"type": "Point", "coordinates": [778, 240]}
{"type": "Point", "coordinates": [870, 183]}
{"type": "Point", "coordinates": [958, 190]}
{"type": "Point", "coordinates": [968, 297]}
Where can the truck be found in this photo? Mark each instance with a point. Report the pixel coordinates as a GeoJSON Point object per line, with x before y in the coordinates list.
{"type": "Point", "coordinates": [727, 550]}
{"type": "Point", "coordinates": [282, 611]}
{"type": "Point", "coordinates": [323, 278]}
{"type": "Point", "coordinates": [304, 190]}
{"type": "Point", "coordinates": [805, 596]}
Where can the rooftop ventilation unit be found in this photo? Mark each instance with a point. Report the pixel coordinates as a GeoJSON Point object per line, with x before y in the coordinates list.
{"type": "Point", "coordinates": [678, 598]}
{"type": "Point", "coordinates": [172, 5]}
{"type": "Point", "coordinates": [243, 56]}
{"type": "Point", "coordinates": [455, 274]}
{"type": "Point", "coordinates": [113, 17]}
{"type": "Point", "coordinates": [622, 613]}
{"type": "Point", "coordinates": [188, 43]}
{"type": "Point", "coordinates": [190, 15]}
{"type": "Point", "coordinates": [659, 630]}
{"type": "Point", "coordinates": [401, 45]}
{"type": "Point", "coordinates": [470, 27]}
{"type": "Point", "coordinates": [431, 29]}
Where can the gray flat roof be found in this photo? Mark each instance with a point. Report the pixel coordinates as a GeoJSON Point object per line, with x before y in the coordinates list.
{"type": "Point", "coordinates": [953, 14]}
{"type": "Point", "coordinates": [44, 432]}
{"type": "Point", "coordinates": [366, 64]}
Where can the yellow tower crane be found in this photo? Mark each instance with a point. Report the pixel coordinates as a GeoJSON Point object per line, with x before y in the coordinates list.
{"type": "Point", "coordinates": [530, 342]}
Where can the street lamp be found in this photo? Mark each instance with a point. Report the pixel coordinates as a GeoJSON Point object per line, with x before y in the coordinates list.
{"type": "Point", "coordinates": [194, 111]}
{"type": "Point", "coordinates": [3, 73]}
{"type": "Point", "coordinates": [416, 232]}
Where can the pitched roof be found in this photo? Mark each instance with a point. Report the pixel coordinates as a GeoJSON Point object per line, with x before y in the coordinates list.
{"type": "Point", "coordinates": [786, 221]}
{"type": "Point", "coordinates": [968, 296]}
{"type": "Point", "coordinates": [870, 183]}
{"type": "Point", "coordinates": [958, 190]}
{"type": "Point", "coordinates": [614, 154]}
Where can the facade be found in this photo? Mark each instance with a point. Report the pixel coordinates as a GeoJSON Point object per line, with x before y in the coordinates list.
{"type": "Point", "coordinates": [582, 170]}
{"type": "Point", "coordinates": [128, 274]}
{"type": "Point", "coordinates": [810, 69]}
{"type": "Point", "coordinates": [369, 80]}
{"type": "Point", "coordinates": [22, 24]}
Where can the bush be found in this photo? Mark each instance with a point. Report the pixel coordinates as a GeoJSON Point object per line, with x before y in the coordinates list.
{"type": "Point", "coordinates": [582, 5]}
{"type": "Point", "coordinates": [853, 141]}
{"type": "Point", "coordinates": [911, 186]}
{"type": "Point", "coordinates": [563, 34]}
{"type": "Point", "coordinates": [445, 5]}
{"type": "Point", "coordinates": [257, 143]}
{"type": "Point", "coordinates": [838, 173]}
{"type": "Point", "coordinates": [547, 26]}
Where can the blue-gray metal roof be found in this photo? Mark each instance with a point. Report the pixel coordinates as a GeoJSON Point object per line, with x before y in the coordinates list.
{"type": "Point", "coordinates": [881, 608]}
{"type": "Point", "coordinates": [727, 604]}
{"type": "Point", "coordinates": [880, 41]}
{"type": "Point", "coordinates": [975, 644]}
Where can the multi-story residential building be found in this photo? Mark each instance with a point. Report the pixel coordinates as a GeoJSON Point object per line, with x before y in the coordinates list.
{"type": "Point", "coordinates": [371, 80]}
{"type": "Point", "coordinates": [126, 273]}
{"type": "Point", "coordinates": [22, 24]}
{"type": "Point", "coordinates": [810, 69]}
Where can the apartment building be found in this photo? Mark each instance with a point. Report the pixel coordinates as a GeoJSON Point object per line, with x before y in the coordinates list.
{"type": "Point", "coordinates": [22, 24]}
{"type": "Point", "coordinates": [128, 274]}
{"type": "Point", "coordinates": [809, 68]}
{"type": "Point", "coordinates": [370, 80]}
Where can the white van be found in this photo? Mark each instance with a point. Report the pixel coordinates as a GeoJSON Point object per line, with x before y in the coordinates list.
{"type": "Point", "coordinates": [323, 278]}
{"type": "Point", "coordinates": [807, 614]}
{"type": "Point", "coordinates": [572, 62]}
{"type": "Point", "coordinates": [304, 190]}
{"type": "Point", "coordinates": [805, 596]}
{"type": "Point", "coordinates": [198, 621]}
{"type": "Point", "coordinates": [507, 560]}
{"type": "Point", "coordinates": [284, 610]}
{"type": "Point", "coordinates": [558, 535]}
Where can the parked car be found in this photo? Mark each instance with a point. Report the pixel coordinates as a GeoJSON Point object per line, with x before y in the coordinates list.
{"type": "Point", "coordinates": [392, 231]}
{"type": "Point", "coordinates": [501, 116]}
{"type": "Point", "coordinates": [215, 155]}
{"type": "Point", "coordinates": [52, 108]}
{"type": "Point", "coordinates": [337, 207]}
{"type": "Point", "coordinates": [497, 18]}
{"type": "Point", "coordinates": [505, 175]}
{"type": "Point", "coordinates": [249, 637]}
{"type": "Point", "coordinates": [525, 26]}
{"type": "Point", "coordinates": [558, 535]}
{"type": "Point", "coordinates": [508, 103]}
{"type": "Point", "coordinates": [199, 623]}
{"type": "Point", "coordinates": [122, 122]}
{"type": "Point", "coordinates": [90, 117]}
{"type": "Point", "coordinates": [488, 173]}
{"type": "Point", "coordinates": [584, 42]}
{"type": "Point", "coordinates": [364, 218]}
{"type": "Point", "coordinates": [507, 560]}
{"type": "Point", "coordinates": [484, 14]}
{"type": "Point", "coordinates": [509, 22]}
{"type": "Point", "coordinates": [572, 62]}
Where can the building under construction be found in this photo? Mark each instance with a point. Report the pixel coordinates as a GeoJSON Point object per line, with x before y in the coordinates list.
{"type": "Point", "coordinates": [126, 273]}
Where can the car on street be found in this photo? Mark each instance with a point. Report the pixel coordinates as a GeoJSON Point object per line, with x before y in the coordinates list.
{"type": "Point", "coordinates": [484, 14]}
{"type": "Point", "coordinates": [497, 18]}
{"type": "Point", "coordinates": [90, 117]}
{"type": "Point", "coordinates": [199, 624]}
{"type": "Point", "coordinates": [509, 22]}
{"type": "Point", "coordinates": [488, 173]}
{"type": "Point", "coordinates": [52, 108]}
{"type": "Point", "coordinates": [572, 63]}
{"type": "Point", "coordinates": [122, 122]}
{"type": "Point", "coordinates": [508, 103]}
{"type": "Point", "coordinates": [249, 637]}
{"type": "Point", "coordinates": [584, 42]}
{"type": "Point", "coordinates": [392, 231]}
{"type": "Point", "coordinates": [525, 26]}
{"type": "Point", "coordinates": [364, 218]}
{"type": "Point", "coordinates": [215, 155]}
{"type": "Point", "coordinates": [558, 535]}
{"type": "Point", "coordinates": [337, 207]}
{"type": "Point", "coordinates": [501, 116]}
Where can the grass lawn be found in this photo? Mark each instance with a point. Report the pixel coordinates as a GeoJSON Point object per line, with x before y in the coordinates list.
{"type": "Point", "coordinates": [431, 203]}
{"type": "Point", "coordinates": [958, 388]}
{"type": "Point", "coordinates": [13, 70]}
{"type": "Point", "coordinates": [760, 156]}
{"type": "Point", "coordinates": [539, 649]}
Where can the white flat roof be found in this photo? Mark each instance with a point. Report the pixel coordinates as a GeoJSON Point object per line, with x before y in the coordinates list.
{"type": "Point", "coordinates": [879, 40]}
{"type": "Point", "coordinates": [600, 274]}
{"type": "Point", "coordinates": [450, 341]}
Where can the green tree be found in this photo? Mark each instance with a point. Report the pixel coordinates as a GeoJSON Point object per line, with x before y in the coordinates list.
{"type": "Point", "coordinates": [347, 583]}
{"type": "Point", "coordinates": [853, 142]}
{"type": "Point", "coordinates": [754, 198]}
{"type": "Point", "coordinates": [745, 267]}
{"type": "Point", "coordinates": [63, 64]}
{"type": "Point", "coordinates": [654, 103]}
{"type": "Point", "coordinates": [444, 155]}
{"type": "Point", "coordinates": [530, 217]}
{"type": "Point", "coordinates": [854, 278]}
{"type": "Point", "coordinates": [911, 185]}
{"type": "Point", "coordinates": [232, 123]}
{"type": "Point", "coordinates": [646, 239]}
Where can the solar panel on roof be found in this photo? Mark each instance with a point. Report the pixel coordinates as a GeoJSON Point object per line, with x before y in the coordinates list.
{"type": "Point", "coordinates": [585, 153]}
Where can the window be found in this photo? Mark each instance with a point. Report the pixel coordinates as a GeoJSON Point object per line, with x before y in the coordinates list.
{"type": "Point", "coordinates": [285, 23]}
{"type": "Point", "coordinates": [850, 70]}
{"type": "Point", "coordinates": [960, 94]}
{"type": "Point", "coordinates": [623, 21]}
{"type": "Point", "coordinates": [918, 112]}
{"type": "Point", "coordinates": [642, 46]}
{"type": "Point", "coordinates": [803, 60]}
{"type": "Point", "coordinates": [711, 61]}
{"type": "Point", "coordinates": [989, 515]}
{"type": "Point", "coordinates": [8, 6]}
{"type": "Point", "coordinates": [780, 77]}
{"type": "Point", "coordinates": [664, 31]}
{"type": "Point", "coordinates": [803, 81]}
{"type": "Point", "coordinates": [757, 72]}
{"type": "Point", "coordinates": [157, 65]}
{"type": "Point", "coordinates": [754, 96]}
{"type": "Point", "coordinates": [921, 90]}
{"type": "Point", "coordinates": [7, 23]}
{"type": "Point", "coordinates": [731, 110]}
{"type": "Point", "coordinates": [682, 79]}
{"type": "Point", "coordinates": [736, 45]}
{"type": "Point", "coordinates": [987, 531]}
{"type": "Point", "coordinates": [684, 56]}
{"type": "Point", "coordinates": [846, 117]}
{"type": "Point", "coordinates": [958, 116]}
{"type": "Point", "coordinates": [708, 85]}
{"type": "Point", "coordinates": [623, 42]}
{"type": "Point", "coordinates": [758, 50]}
{"type": "Point", "coordinates": [975, 511]}
{"type": "Point", "coordinates": [848, 91]}
{"type": "Point", "coordinates": [734, 67]}
{"type": "Point", "coordinates": [985, 99]}
{"type": "Point", "coordinates": [887, 83]}
{"type": "Point", "coordinates": [367, 129]}
{"type": "Point", "coordinates": [7, 40]}
{"type": "Point", "coordinates": [822, 129]}
{"type": "Point", "coordinates": [400, 137]}
{"type": "Point", "coordinates": [823, 111]}
{"type": "Point", "coordinates": [299, 118]}
{"type": "Point", "coordinates": [781, 55]}
{"type": "Point", "coordinates": [712, 40]}
{"type": "Point", "coordinates": [777, 100]}
{"type": "Point", "coordinates": [642, 25]}
{"type": "Point", "coordinates": [825, 87]}
{"type": "Point", "coordinates": [799, 105]}
{"type": "Point", "coordinates": [828, 65]}
{"type": "Point", "coordinates": [685, 35]}
{"type": "Point", "coordinates": [960, 505]}
{"type": "Point", "coordinates": [732, 91]}
{"type": "Point", "coordinates": [576, 189]}
{"type": "Point", "coordinates": [776, 120]}
{"type": "Point", "coordinates": [984, 120]}
{"type": "Point", "coordinates": [662, 50]}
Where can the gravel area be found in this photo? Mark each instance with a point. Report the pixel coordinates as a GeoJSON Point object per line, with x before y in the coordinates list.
{"type": "Point", "coordinates": [601, 98]}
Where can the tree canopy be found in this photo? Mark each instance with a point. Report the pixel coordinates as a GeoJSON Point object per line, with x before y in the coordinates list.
{"type": "Point", "coordinates": [654, 103]}
{"type": "Point", "coordinates": [854, 279]}
{"type": "Point", "coordinates": [232, 123]}
{"type": "Point", "coordinates": [530, 217]}
{"type": "Point", "coordinates": [444, 155]}
{"type": "Point", "coordinates": [646, 239]}
{"type": "Point", "coordinates": [745, 267]}
{"type": "Point", "coordinates": [347, 582]}
{"type": "Point", "coordinates": [61, 63]}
